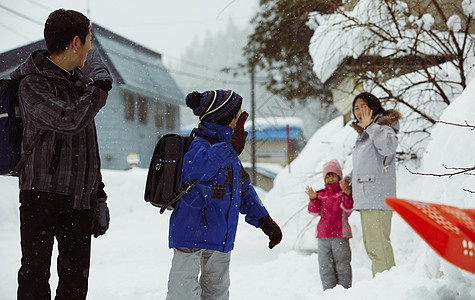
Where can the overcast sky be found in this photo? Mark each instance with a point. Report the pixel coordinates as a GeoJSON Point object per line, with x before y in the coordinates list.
{"type": "Point", "coordinates": [165, 26]}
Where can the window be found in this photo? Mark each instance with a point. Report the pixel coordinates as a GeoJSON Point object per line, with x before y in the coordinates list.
{"type": "Point", "coordinates": [129, 106]}
{"type": "Point", "coordinates": [171, 111]}
{"type": "Point", "coordinates": [159, 114]}
{"type": "Point", "coordinates": [142, 110]}
{"type": "Point", "coordinates": [165, 115]}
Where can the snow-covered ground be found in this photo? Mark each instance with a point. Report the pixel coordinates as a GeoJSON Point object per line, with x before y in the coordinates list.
{"type": "Point", "coordinates": [132, 260]}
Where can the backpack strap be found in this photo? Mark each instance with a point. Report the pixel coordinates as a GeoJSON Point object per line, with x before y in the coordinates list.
{"type": "Point", "coordinates": [204, 137]}
{"type": "Point", "coordinates": [187, 185]}
{"type": "Point", "coordinates": [36, 140]}
{"type": "Point", "coordinates": [26, 154]}
{"type": "Point", "coordinates": [184, 188]}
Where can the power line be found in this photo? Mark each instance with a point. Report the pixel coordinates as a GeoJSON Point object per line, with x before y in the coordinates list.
{"type": "Point", "coordinates": [40, 5]}
{"type": "Point", "coordinates": [189, 74]}
{"type": "Point", "coordinates": [15, 31]}
{"type": "Point", "coordinates": [196, 76]}
{"type": "Point", "coordinates": [207, 77]}
{"type": "Point", "coordinates": [176, 22]}
{"type": "Point", "coordinates": [190, 63]}
{"type": "Point", "coordinates": [21, 15]}
{"type": "Point", "coordinates": [224, 8]}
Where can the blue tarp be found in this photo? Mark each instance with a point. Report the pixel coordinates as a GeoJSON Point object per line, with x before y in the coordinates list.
{"type": "Point", "coordinates": [276, 134]}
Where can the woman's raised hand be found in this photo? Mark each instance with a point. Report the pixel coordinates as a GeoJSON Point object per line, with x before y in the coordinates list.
{"type": "Point", "coordinates": [366, 117]}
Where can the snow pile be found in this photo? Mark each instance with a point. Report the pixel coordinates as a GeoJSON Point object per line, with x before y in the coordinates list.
{"type": "Point", "coordinates": [132, 260]}
{"type": "Point", "coordinates": [419, 273]}
{"type": "Point", "coordinates": [452, 148]}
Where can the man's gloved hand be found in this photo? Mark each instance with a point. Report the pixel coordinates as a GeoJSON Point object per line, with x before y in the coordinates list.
{"type": "Point", "coordinates": [271, 229]}
{"type": "Point", "coordinates": [97, 70]}
{"type": "Point", "coordinates": [101, 218]}
{"type": "Point", "coordinates": [238, 137]}
{"type": "Point", "coordinates": [105, 85]}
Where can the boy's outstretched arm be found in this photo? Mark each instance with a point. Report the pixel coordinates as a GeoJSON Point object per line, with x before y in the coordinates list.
{"type": "Point", "coordinates": [256, 214]}
{"type": "Point", "coordinates": [271, 229]}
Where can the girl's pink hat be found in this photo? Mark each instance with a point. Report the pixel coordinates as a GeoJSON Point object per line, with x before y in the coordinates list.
{"type": "Point", "coordinates": [332, 166]}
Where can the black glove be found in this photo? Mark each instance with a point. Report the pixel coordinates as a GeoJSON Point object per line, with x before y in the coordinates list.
{"type": "Point", "coordinates": [101, 218]}
{"type": "Point", "coordinates": [96, 69]}
{"type": "Point", "coordinates": [105, 85]}
{"type": "Point", "coordinates": [271, 229]}
{"type": "Point", "coordinates": [238, 137]}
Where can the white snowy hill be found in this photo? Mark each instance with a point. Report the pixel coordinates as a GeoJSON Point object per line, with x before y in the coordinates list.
{"type": "Point", "coordinates": [132, 260]}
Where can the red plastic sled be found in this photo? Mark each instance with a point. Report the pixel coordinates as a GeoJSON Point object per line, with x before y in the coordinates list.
{"type": "Point", "coordinates": [449, 230]}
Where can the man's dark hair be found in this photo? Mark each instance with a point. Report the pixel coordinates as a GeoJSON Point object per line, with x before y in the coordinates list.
{"type": "Point", "coordinates": [373, 103]}
{"type": "Point", "coordinates": [62, 26]}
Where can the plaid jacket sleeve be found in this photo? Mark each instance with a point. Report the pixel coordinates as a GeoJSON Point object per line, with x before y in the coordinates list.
{"type": "Point", "coordinates": [65, 112]}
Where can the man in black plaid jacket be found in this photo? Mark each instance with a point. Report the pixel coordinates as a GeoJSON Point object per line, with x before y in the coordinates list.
{"type": "Point", "coordinates": [61, 191]}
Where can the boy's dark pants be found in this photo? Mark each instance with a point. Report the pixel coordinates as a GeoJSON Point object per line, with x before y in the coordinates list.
{"type": "Point", "coordinates": [44, 216]}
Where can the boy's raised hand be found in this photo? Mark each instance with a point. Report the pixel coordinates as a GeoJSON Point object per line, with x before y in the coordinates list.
{"type": "Point", "coordinates": [238, 137]}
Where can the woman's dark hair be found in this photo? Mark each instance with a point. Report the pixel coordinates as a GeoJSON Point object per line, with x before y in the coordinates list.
{"type": "Point", "coordinates": [373, 103]}
{"type": "Point", "coordinates": [62, 26]}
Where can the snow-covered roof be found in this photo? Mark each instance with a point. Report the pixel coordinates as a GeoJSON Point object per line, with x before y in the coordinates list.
{"type": "Point", "coordinates": [10, 60]}
{"type": "Point", "coordinates": [137, 67]}
{"type": "Point", "coordinates": [132, 65]}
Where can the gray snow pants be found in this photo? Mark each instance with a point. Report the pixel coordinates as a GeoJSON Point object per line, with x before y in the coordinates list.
{"type": "Point", "coordinates": [334, 260]}
{"type": "Point", "coordinates": [213, 284]}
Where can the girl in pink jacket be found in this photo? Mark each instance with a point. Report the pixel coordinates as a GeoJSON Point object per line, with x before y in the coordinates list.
{"type": "Point", "coordinates": [334, 207]}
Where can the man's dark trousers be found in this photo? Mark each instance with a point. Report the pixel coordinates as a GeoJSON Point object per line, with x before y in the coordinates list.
{"type": "Point", "coordinates": [43, 217]}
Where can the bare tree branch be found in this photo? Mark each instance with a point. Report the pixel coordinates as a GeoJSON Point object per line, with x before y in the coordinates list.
{"type": "Point", "coordinates": [460, 171]}
{"type": "Point", "coordinates": [459, 125]}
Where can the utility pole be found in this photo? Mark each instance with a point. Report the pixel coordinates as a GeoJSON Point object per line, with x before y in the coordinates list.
{"type": "Point", "coordinates": [253, 129]}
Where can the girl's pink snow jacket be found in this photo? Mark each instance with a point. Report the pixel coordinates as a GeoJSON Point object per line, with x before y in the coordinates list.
{"type": "Point", "coordinates": [334, 207]}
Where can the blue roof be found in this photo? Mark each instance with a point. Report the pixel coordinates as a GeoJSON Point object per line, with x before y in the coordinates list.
{"type": "Point", "coordinates": [268, 134]}
{"type": "Point", "coordinates": [276, 134]}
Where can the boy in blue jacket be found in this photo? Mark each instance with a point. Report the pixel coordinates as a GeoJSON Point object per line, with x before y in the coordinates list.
{"type": "Point", "coordinates": [204, 222]}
